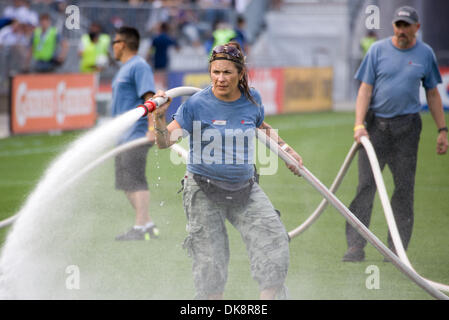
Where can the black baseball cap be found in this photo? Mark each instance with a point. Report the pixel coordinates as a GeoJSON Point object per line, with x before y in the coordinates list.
{"type": "Point", "coordinates": [407, 14]}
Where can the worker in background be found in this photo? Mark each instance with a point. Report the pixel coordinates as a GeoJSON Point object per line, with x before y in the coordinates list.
{"type": "Point", "coordinates": [94, 49]}
{"type": "Point", "coordinates": [367, 41]}
{"type": "Point", "coordinates": [222, 34]}
{"type": "Point", "coordinates": [47, 49]}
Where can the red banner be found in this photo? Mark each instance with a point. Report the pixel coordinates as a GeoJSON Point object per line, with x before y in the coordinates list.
{"type": "Point", "coordinates": [270, 84]}
{"type": "Point", "coordinates": [47, 102]}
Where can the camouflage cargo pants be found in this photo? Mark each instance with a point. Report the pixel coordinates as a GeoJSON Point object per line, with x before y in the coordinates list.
{"type": "Point", "coordinates": [207, 243]}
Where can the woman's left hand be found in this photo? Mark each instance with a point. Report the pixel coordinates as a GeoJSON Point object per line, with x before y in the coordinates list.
{"type": "Point", "coordinates": [298, 159]}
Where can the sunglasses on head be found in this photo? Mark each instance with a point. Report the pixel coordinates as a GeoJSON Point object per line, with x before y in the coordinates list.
{"type": "Point", "coordinates": [229, 50]}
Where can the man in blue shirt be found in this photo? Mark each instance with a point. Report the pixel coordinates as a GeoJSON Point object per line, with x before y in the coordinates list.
{"type": "Point", "coordinates": [133, 84]}
{"type": "Point", "coordinates": [390, 75]}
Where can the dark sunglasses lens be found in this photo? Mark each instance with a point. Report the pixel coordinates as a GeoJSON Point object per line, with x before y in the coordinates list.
{"type": "Point", "coordinates": [218, 49]}
{"type": "Point", "coordinates": [231, 50]}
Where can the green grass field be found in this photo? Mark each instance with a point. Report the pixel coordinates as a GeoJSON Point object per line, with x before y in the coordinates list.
{"type": "Point", "coordinates": [92, 213]}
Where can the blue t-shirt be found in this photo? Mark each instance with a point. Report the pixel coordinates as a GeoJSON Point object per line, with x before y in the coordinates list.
{"type": "Point", "coordinates": [396, 76]}
{"type": "Point", "coordinates": [130, 84]}
{"type": "Point", "coordinates": [221, 134]}
{"type": "Point", "coordinates": [161, 43]}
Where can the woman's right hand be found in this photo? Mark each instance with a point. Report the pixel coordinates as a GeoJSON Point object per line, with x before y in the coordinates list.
{"type": "Point", "coordinates": [160, 111]}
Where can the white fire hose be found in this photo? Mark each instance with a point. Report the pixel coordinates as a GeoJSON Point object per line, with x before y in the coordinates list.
{"type": "Point", "coordinates": [384, 201]}
{"type": "Point", "coordinates": [323, 205]}
{"type": "Point", "coordinates": [425, 284]}
{"type": "Point", "coordinates": [389, 211]}
{"type": "Point", "coordinates": [349, 216]}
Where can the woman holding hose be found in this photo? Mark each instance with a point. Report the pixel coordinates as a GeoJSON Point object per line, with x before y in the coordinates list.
{"type": "Point", "coordinates": [220, 180]}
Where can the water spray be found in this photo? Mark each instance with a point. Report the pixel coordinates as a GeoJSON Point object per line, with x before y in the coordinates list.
{"type": "Point", "coordinates": [149, 106]}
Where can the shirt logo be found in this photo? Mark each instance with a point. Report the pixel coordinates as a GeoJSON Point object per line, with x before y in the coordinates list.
{"type": "Point", "coordinates": [415, 64]}
{"type": "Point", "coordinates": [219, 122]}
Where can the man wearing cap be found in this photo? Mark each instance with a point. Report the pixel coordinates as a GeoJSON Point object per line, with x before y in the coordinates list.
{"type": "Point", "coordinates": [387, 111]}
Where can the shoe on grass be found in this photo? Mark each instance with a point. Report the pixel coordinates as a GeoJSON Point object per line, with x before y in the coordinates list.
{"type": "Point", "coordinates": [132, 235]}
{"type": "Point", "coordinates": [354, 254]}
{"type": "Point", "coordinates": [152, 232]}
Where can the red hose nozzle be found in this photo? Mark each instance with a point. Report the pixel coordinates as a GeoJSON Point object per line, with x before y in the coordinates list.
{"type": "Point", "coordinates": [149, 107]}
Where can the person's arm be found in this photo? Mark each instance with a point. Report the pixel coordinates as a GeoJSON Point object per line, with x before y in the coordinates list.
{"type": "Point", "coordinates": [361, 108]}
{"type": "Point", "coordinates": [436, 109]}
{"type": "Point", "coordinates": [165, 135]}
{"type": "Point", "coordinates": [275, 137]}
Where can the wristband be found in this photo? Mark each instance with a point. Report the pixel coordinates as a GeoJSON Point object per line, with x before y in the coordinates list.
{"type": "Point", "coordinates": [442, 129]}
{"type": "Point", "coordinates": [360, 126]}
{"type": "Point", "coordinates": [285, 146]}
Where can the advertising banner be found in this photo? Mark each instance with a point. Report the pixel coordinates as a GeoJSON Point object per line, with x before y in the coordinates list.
{"type": "Point", "coordinates": [307, 89]}
{"type": "Point", "coordinates": [283, 90]}
{"type": "Point", "coordinates": [270, 84]}
{"type": "Point", "coordinates": [51, 102]}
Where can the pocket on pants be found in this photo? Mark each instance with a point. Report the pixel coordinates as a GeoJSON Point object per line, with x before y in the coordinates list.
{"type": "Point", "coordinates": [188, 244]}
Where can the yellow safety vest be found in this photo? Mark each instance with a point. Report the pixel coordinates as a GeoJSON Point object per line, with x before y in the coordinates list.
{"type": "Point", "coordinates": [366, 43]}
{"type": "Point", "coordinates": [222, 36]}
{"type": "Point", "coordinates": [91, 51]}
{"type": "Point", "coordinates": [44, 48]}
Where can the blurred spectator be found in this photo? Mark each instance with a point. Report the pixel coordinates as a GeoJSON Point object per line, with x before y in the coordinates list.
{"type": "Point", "coordinates": [94, 49]}
{"type": "Point", "coordinates": [59, 19]}
{"type": "Point", "coordinates": [5, 22]}
{"type": "Point", "coordinates": [214, 9]}
{"type": "Point", "coordinates": [158, 14]}
{"type": "Point", "coordinates": [222, 34]}
{"type": "Point", "coordinates": [117, 22]}
{"type": "Point", "coordinates": [241, 5]}
{"type": "Point", "coordinates": [21, 11]}
{"type": "Point", "coordinates": [11, 10]}
{"type": "Point", "coordinates": [159, 48]}
{"type": "Point", "coordinates": [47, 48]}
{"type": "Point", "coordinates": [187, 25]}
{"type": "Point", "coordinates": [367, 41]}
{"type": "Point", "coordinates": [13, 49]}
{"type": "Point", "coordinates": [13, 35]}
{"type": "Point", "coordinates": [240, 34]}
